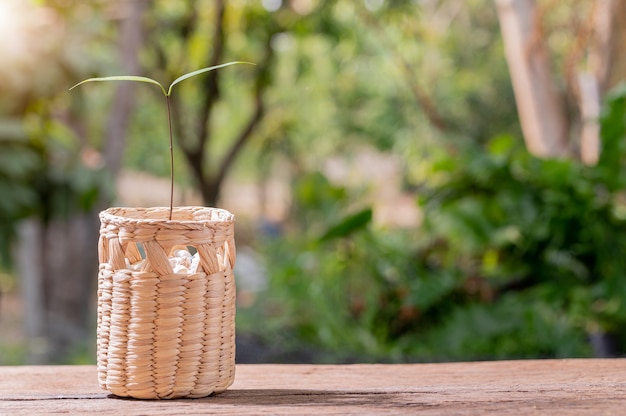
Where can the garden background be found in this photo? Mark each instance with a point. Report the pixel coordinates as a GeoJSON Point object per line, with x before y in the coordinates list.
{"type": "Point", "coordinates": [413, 180]}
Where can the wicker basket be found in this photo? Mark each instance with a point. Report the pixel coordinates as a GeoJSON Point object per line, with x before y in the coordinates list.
{"type": "Point", "coordinates": [161, 334]}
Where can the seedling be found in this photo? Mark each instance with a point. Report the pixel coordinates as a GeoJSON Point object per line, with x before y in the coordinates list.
{"type": "Point", "coordinates": [167, 95]}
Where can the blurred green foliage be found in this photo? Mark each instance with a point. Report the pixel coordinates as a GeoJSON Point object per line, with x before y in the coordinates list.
{"type": "Point", "coordinates": [44, 170]}
{"type": "Point", "coordinates": [42, 175]}
{"type": "Point", "coordinates": [518, 257]}
{"type": "Point", "coordinates": [550, 230]}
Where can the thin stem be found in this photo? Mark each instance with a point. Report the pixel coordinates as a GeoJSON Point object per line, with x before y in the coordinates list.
{"type": "Point", "coordinates": [169, 122]}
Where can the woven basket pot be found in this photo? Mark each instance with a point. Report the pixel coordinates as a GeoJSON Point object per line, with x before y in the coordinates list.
{"type": "Point", "coordinates": [164, 334]}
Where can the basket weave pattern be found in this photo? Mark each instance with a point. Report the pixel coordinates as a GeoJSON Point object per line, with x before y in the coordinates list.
{"type": "Point", "coordinates": [164, 335]}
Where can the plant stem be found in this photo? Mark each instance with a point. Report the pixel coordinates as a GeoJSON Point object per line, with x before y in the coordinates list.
{"type": "Point", "coordinates": [169, 122]}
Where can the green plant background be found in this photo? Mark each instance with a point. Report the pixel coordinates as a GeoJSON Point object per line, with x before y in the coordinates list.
{"type": "Point", "coordinates": [515, 257]}
{"type": "Point", "coordinates": [518, 257]}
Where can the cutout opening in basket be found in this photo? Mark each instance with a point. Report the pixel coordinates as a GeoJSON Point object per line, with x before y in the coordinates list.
{"type": "Point", "coordinates": [185, 259]}
{"type": "Point", "coordinates": [201, 261]}
{"type": "Point", "coordinates": [178, 259]}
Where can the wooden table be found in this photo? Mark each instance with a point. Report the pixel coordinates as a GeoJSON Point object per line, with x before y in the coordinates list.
{"type": "Point", "coordinates": [555, 387]}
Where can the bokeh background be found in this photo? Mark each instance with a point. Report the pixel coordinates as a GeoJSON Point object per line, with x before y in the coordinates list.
{"type": "Point", "coordinates": [413, 180]}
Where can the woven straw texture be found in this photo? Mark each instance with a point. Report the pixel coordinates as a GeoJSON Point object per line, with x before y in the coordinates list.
{"type": "Point", "coordinates": [165, 335]}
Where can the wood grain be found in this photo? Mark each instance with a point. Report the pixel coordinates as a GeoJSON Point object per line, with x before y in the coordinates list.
{"type": "Point", "coordinates": [536, 387]}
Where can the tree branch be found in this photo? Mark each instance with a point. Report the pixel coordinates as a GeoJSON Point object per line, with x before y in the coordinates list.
{"type": "Point", "coordinates": [540, 108]}
{"type": "Point", "coordinates": [130, 42]}
{"type": "Point", "coordinates": [211, 90]}
{"type": "Point", "coordinates": [255, 119]}
{"type": "Point", "coordinates": [244, 136]}
{"type": "Point", "coordinates": [421, 98]}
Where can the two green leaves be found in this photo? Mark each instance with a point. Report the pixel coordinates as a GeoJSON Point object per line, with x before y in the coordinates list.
{"type": "Point", "coordinates": [151, 81]}
{"type": "Point", "coordinates": [167, 98]}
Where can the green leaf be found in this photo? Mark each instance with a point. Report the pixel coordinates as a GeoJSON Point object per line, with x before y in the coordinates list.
{"type": "Point", "coordinates": [348, 225]}
{"type": "Point", "coordinates": [202, 71]}
{"type": "Point", "coordinates": [151, 81]}
{"type": "Point", "coordinates": [123, 78]}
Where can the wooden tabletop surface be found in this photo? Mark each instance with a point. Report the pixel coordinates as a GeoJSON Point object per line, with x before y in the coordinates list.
{"type": "Point", "coordinates": [537, 387]}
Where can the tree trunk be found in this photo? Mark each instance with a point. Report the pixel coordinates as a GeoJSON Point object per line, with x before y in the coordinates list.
{"type": "Point", "coordinates": [541, 111]}
{"type": "Point", "coordinates": [210, 181]}
{"type": "Point", "coordinates": [29, 267]}
{"type": "Point", "coordinates": [130, 43]}
{"type": "Point", "coordinates": [589, 96]}
{"type": "Point", "coordinates": [57, 265]}
{"type": "Point", "coordinates": [607, 68]}
{"type": "Point", "coordinates": [607, 60]}
{"type": "Point", "coordinates": [70, 259]}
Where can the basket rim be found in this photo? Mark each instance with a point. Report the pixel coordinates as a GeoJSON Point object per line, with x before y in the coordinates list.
{"type": "Point", "coordinates": [116, 214]}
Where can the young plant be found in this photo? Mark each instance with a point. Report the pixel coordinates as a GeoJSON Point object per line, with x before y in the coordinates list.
{"type": "Point", "coordinates": [167, 95]}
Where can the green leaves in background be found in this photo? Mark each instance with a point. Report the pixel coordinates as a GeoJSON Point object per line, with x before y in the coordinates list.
{"type": "Point", "coordinates": [517, 257]}
{"type": "Point", "coordinates": [348, 225]}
